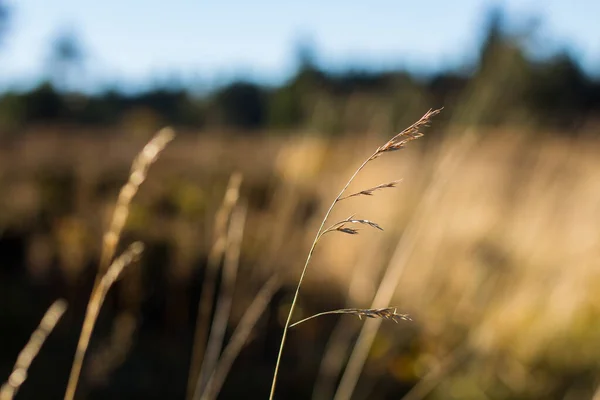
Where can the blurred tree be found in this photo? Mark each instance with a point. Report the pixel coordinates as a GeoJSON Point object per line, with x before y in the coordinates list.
{"type": "Point", "coordinates": [309, 78]}
{"type": "Point", "coordinates": [293, 104]}
{"type": "Point", "coordinates": [285, 108]}
{"type": "Point", "coordinates": [44, 104]}
{"type": "Point", "coordinates": [494, 39]}
{"type": "Point", "coordinates": [170, 103]}
{"type": "Point", "coordinates": [241, 105]}
{"type": "Point", "coordinates": [12, 112]}
{"type": "Point", "coordinates": [503, 86]}
{"type": "Point", "coordinates": [306, 54]}
{"type": "Point", "coordinates": [561, 92]}
{"type": "Point", "coordinates": [66, 60]}
{"type": "Point", "coordinates": [496, 93]}
{"type": "Point", "coordinates": [104, 109]}
{"type": "Point", "coordinates": [446, 87]}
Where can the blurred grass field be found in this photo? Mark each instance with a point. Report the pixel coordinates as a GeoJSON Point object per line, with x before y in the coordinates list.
{"type": "Point", "coordinates": [498, 235]}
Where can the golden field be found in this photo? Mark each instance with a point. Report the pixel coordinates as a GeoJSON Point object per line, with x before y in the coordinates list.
{"type": "Point", "coordinates": [491, 244]}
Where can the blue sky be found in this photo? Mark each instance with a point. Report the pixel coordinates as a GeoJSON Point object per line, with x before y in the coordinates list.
{"type": "Point", "coordinates": [135, 42]}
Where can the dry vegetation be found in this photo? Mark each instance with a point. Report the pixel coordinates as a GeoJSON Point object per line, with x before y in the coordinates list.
{"type": "Point", "coordinates": [491, 245]}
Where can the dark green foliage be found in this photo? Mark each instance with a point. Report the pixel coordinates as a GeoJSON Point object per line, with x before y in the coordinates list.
{"type": "Point", "coordinates": [240, 105]}
{"type": "Point", "coordinates": [44, 103]}
{"type": "Point", "coordinates": [561, 85]}
{"type": "Point", "coordinates": [285, 108]}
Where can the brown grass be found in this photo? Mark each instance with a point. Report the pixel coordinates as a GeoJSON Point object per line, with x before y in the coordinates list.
{"type": "Point", "coordinates": [219, 246]}
{"type": "Point", "coordinates": [107, 272]}
{"type": "Point", "coordinates": [235, 234]}
{"type": "Point", "coordinates": [129, 256]}
{"type": "Point", "coordinates": [19, 374]}
{"type": "Point", "coordinates": [492, 247]}
{"type": "Point", "coordinates": [240, 337]}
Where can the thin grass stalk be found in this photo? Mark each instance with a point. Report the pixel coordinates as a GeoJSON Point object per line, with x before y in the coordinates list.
{"type": "Point", "coordinates": [284, 201]}
{"type": "Point", "coordinates": [223, 308]}
{"type": "Point", "coordinates": [138, 174]}
{"type": "Point", "coordinates": [396, 143]}
{"type": "Point", "coordinates": [93, 310]}
{"type": "Point", "coordinates": [205, 303]}
{"type": "Point", "coordinates": [19, 373]}
{"type": "Point", "coordinates": [310, 253]}
{"type": "Point", "coordinates": [392, 275]}
{"type": "Point", "coordinates": [240, 337]}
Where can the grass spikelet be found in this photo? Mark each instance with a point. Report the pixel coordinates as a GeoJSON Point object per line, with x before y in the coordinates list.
{"type": "Point", "coordinates": [387, 313]}
{"type": "Point", "coordinates": [137, 175]}
{"type": "Point", "coordinates": [366, 222]}
{"type": "Point", "coordinates": [350, 231]}
{"type": "Point", "coordinates": [396, 143]}
{"type": "Point", "coordinates": [369, 192]}
{"type": "Point", "coordinates": [340, 226]}
{"type": "Point", "coordinates": [19, 374]}
{"type": "Point", "coordinates": [409, 134]}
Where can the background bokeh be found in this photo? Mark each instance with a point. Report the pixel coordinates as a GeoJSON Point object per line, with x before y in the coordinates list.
{"type": "Point", "coordinates": [491, 241]}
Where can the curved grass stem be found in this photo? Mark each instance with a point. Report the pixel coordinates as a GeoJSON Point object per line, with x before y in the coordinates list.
{"type": "Point", "coordinates": [396, 143]}
{"type": "Point", "coordinates": [310, 253]}
{"type": "Point", "coordinates": [317, 315]}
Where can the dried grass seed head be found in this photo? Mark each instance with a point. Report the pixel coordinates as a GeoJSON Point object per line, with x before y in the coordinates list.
{"type": "Point", "coordinates": [411, 133]}
{"type": "Point", "coordinates": [369, 192]}
{"type": "Point", "coordinates": [388, 313]}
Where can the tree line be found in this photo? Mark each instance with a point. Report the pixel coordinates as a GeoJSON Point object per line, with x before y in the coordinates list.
{"type": "Point", "coordinates": [505, 86]}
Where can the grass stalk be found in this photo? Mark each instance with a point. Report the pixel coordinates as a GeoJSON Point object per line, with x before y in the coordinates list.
{"type": "Point", "coordinates": [240, 337]}
{"type": "Point", "coordinates": [19, 374]}
{"type": "Point", "coordinates": [396, 143]}
{"type": "Point", "coordinates": [138, 174]}
{"type": "Point", "coordinates": [205, 304]}
{"type": "Point", "coordinates": [223, 308]}
{"type": "Point", "coordinates": [310, 253]}
{"type": "Point", "coordinates": [130, 255]}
